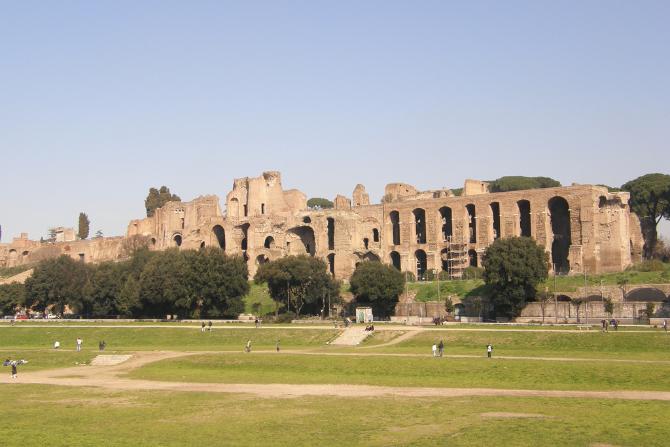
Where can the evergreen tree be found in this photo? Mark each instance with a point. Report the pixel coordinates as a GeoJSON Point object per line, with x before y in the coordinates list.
{"type": "Point", "coordinates": [84, 225]}
{"type": "Point", "coordinates": [157, 198]}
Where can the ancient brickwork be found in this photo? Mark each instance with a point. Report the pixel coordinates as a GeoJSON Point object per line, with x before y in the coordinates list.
{"type": "Point", "coordinates": [580, 226]}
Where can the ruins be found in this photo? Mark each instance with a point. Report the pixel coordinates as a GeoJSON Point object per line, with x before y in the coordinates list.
{"type": "Point", "coordinates": [582, 227]}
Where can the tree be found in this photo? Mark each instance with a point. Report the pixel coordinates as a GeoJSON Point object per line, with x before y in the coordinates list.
{"type": "Point", "coordinates": [518, 182]}
{"type": "Point", "coordinates": [650, 200]}
{"type": "Point", "coordinates": [543, 298]}
{"type": "Point", "coordinates": [300, 281]}
{"type": "Point", "coordinates": [317, 203]}
{"type": "Point", "coordinates": [608, 306]}
{"type": "Point", "coordinates": [57, 282]}
{"type": "Point", "coordinates": [217, 282]}
{"type": "Point", "coordinates": [98, 234]}
{"type": "Point", "coordinates": [12, 296]}
{"type": "Point", "coordinates": [449, 305]}
{"type": "Point", "coordinates": [622, 280]}
{"type": "Point", "coordinates": [512, 269]}
{"type": "Point", "coordinates": [649, 309]}
{"type": "Point", "coordinates": [84, 225]}
{"type": "Point", "coordinates": [163, 287]}
{"type": "Point", "coordinates": [157, 198]}
{"type": "Point", "coordinates": [132, 244]}
{"type": "Point", "coordinates": [377, 285]}
{"type": "Point", "coordinates": [578, 303]}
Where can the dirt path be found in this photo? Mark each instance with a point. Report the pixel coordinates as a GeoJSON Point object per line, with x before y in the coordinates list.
{"type": "Point", "coordinates": [109, 377]}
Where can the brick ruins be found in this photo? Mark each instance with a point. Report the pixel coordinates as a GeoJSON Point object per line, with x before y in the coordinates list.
{"type": "Point", "coordinates": [580, 226]}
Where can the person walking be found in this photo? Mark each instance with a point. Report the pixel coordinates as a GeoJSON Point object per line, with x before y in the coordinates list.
{"type": "Point", "coordinates": [209, 325]}
{"type": "Point", "coordinates": [247, 348]}
{"type": "Point", "coordinates": [79, 342]}
{"type": "Point", "coordinates": [434, 350]}
{"type": "Point", "coordinates": [14, 375]}
{"type": "Point", "coordinates": [489, 350]}
{"type": "Point", "coordinates": [202, 327]}
{"type": "Point", "coordinates": [277, 345]}
{"type": "Point", "coordinates": [665, 326]}
{"type": "Point", "coordinates": [440, 348]}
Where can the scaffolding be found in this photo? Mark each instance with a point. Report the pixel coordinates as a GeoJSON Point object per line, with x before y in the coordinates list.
{"type": "Point", "coordinates": [456, 257]}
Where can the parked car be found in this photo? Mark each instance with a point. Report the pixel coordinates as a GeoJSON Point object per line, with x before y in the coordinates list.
{"type": "Point", "coordinates": [21, 317]}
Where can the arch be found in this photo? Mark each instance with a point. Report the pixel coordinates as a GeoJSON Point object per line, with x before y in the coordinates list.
{"type": "Point", "coordinates": [524, 218]}
{"type": "Point", "coordinates": [421, 263]}
{"type": "Point", "coordinates": [420, 225]}
{"type": "Point", "coordinates": [331, 233]}
{"type": "Point", "coordinates": [234, 208]}
{"type": "Point", "coordinates": [444, 257]}
{"type": "Point", "coordinates": [331, 263]}
{"type": "Point", "coordinates": [177, 240]}
{"type": "Point", "coordinates": [153, 241]}
{"type": "Point", "coordinates": [244, 243]}
{"type": "Point", "coordinates": [369, 256]}
{"type": "Point", "coordinates": [261, 259]}
{"type": "Point", "coordinates": [306, 237]}
{"type": "Point", "coordinates": [472, 222]}
{"type": "Point", "coordinates": [306, 220]}
{"type": "Point", "coordinates": [25, 254]}
{"type": "Point", "coordinates": [560, 227]}
{"type": "Point", "coordinates": [202, 245]}
{"type": "Point", "coordinates": [375, 235]}
{"type": "Point", "coordinates": [495, 211]}
{"type": "Point", "coordinates": [269, 242]}
{"type": "Point", "coordinates": [447, 223]}
{"type": "Point", "coordinates": [563, 298]}
{"type": "Point", "coordinates": [220, 234]}
{"type": "Point", "coordinates": [13, 256]}
{"type": "Point", "coordinates": [472, 258]}
{"type": "Point", "coordinates": [646, 294]}
{"type": "Point", "coordinates": [395, 259]}
{"type": "Point", "coordinates": [366, 242]}
{"type": "Point", "coordinates": [395, 223]}
{"type": "Point", "coordinates": [602, 201]}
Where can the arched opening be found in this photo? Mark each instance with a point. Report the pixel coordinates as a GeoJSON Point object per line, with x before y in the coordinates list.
{"type": "Point", "coordinates": [25, 254]}
{"type": "Point", "coordinates": [234, 208]}
{"type": "Point", "coordinates": [306, 237]}
{"type": "Point", "coordinates": [421, 263]}
{"type": "Point", "coordinates": [269, 242]}
{"type": "Point", "coordinates": [366, 242]}
{"type": "Point", "coordinates": [331, 233]}
{"type": "Point", "coordinates": [202, 245]}
{"type": "Point", "coordinates": [261, 259]}
{"type": "Point", "coordinates": [262, 208]}
{"type": "Point", "coordinates": [395, 259]}
{"type": "Point", "coordinates": [447, 228]}
{"type": "Point", "coordinates": [563, 298]}
{"type": "Point", "coordinates": [472, 258]}
{"type": "Point", "coordinates": [369, 256]}
{"type": "Point", "coordinates": [182, 223]}
{"type": "Point", "coordinates": [245, 233]}
{"type": "Point", "coordinates": [375, 235]}
{"type": "Point", "coordinates": [177, 240]}
{"type": "Point", "coordinates": [646, 294]}
{"type": "Point", "coordinates": [220, 236]}
{"type": "Point", "coordinates": [395, 223]}
{"type": "Point", "coordinates": [13, 256]}
{"type": "Point", "coordinates": [472, 222]}
{"type": "Point", "coordinates": [495, 211]}
{"type": "Point", "coordinates": [331, 263]}
{"type": "Point", "coordinates": [153, 241]}
{"type": "Point", "coordinates": [524, 218]}
{"type": "Point", "coordinates": [306, 220]}
{"type": "Point", "coordinates": [246, 210]}
{"type": "Point", "coordinates": [420, 225]}
{"type": "Point", "coordinates": [444, 257]}
{"type": "Point", "coordinates": [560, 227]}
{"type": "Point", "coordinates": [602, 201]}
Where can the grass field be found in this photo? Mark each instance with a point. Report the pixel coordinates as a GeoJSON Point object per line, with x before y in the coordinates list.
{"type": "Point", "coordinates": [81, 415]}
{"type": "Point", "coordinates": [56, 416]}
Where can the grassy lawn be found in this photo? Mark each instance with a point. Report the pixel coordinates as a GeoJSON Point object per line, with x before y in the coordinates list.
{"type": "Point", "coordinates": [55, 416]}
{"type": "Point", "coordinates": [408, 371]}
{"type": "Point", "coordinates": [652, 345]}
{"type": "Point", "coordinates": [258, 301]}
{"type": "Point", "coordinates": [149, 338]}
{"type": "Point", "coordinates": [45, 359]}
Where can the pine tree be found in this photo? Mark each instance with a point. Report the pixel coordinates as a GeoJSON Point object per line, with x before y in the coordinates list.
{"type": "Point", "coordinates": [84, 224]}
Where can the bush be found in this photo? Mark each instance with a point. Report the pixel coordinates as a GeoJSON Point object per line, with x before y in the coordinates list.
{"type": "Point", "coordinates": [409, 276]}
{"type": "Point", "coordinates": [286, 317]}
{"type": "Point", "coordinates": [652, 265]}
{"type": "Point", "coordinates": [473, 273]}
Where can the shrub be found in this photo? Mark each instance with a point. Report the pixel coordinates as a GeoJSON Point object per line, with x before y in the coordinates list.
{"type": "Point", "coordinates": [651, 265]}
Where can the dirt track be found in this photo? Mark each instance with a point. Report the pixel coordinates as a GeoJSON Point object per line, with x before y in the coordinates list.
{"type": "Point", "coordinates": [109, 377]}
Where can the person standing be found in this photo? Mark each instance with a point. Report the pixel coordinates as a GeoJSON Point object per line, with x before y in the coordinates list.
{"type": "Point", "coordinates": [209, 325]}
{"type": "Point", "coordinates": [440, 348]}
{"type": "Point", "coordinates": [79, 342]}
{"type": "Point", "coordinates": [489, 350]}
{"type": "Point", "coordinates": [202, 327]}
{"type": "Point", "coordinates": [14, 375]}
{"type": "Point", "coordinates": [434, 350]}
{"type": "Point", "coordinates": [665, 326]}
{"type": "Point", "coordinates": [277, 345]}
{"type": "Point", "coordinates": [247, 348]}
{"type": "Point", "coordinates": [56, 344]}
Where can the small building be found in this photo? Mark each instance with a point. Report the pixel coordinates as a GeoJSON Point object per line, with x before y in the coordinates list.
{"type": "Point", "coordinates": [364, 315]}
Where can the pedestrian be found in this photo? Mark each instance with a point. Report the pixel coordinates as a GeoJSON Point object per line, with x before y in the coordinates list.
{"type": "Point", "coordinates": [434, 350]}
{"type": "Point", "coordinates": [79, 342]}
{"type": "Point", "coordinates": [256, 322]}
{"type": "Point", "coordinates": [247, 348]}
{"type": "Point", "coordinates": [665, 326]}
{"type": "Point", "coordinates": [277, 345]}
{"type": "Point", "coordinates": [100, 346]}
{"type": "Point", "coordinates": [602, 325]}
{"type": "Point", "coordinates": [209, 325]}
{"type": "Point", "coordinates": [616, 325]}
{"type": "Point", "coordinates": [489, 350]}
{"type": "Point", "coordinates": [607, 325]}
{"type": "Point", "coordinates": [440, 348]}
{"type": "Point", "coordinates": [202, 327]}
{"type": "Point", "coordinates": [13, 370]}
{"type": "Point", "coordinates": [56, 344]}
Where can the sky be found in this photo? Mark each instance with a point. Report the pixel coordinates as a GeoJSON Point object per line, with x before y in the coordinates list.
{"type": "Point", "coordinates": [99, 101]}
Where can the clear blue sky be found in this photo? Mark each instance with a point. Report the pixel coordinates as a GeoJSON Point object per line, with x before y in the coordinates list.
{"type": "Point", "coordinates": [101, 100]}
